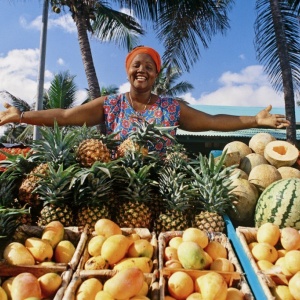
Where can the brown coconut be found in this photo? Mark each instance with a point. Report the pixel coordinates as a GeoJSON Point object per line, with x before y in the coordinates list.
{"type": "Point", "coordinates": [289, 172]}
{"type": "Point", "coordinates": [263, 175]}
{"type": "Point", "coordinates": [230, 159]}
{"type": "Point", "coordinates": [247, 196]}
{"type": "Point", "coordinates": [252, 160]}
{"type": "Point", "coordinates": [237, 146]}
{"type": "Point", "coordinates": [281, 154]}
{"type": "Point", "coordinates": [259, 141]}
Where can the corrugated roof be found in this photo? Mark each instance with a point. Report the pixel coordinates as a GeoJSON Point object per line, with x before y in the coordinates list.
{"type": "Point", "coordinates": [279, 134]}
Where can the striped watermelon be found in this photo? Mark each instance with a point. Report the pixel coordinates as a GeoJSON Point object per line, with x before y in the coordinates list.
{"type": "Point", "coordinates": [279, 203]}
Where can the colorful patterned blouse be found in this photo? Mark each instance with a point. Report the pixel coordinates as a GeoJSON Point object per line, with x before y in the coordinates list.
{"type": "Point", "coordinates": [120, 117]}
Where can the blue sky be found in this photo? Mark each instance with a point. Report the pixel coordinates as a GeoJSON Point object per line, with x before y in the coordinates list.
{"type": "Point", "coordinates": [227, 73]}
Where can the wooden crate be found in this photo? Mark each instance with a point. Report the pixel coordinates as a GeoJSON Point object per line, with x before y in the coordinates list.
{"type": "Point", "coordinates": [233, 279]}
{"type": "Point", "coordinates": [142, 232]}
{"type": "Point", "coordinates": [77, 236]}
{"type": "Point", "coordinates": [266, 279]}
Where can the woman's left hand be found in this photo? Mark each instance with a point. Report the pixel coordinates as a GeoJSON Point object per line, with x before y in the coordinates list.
{"type": "Point", "coordinates": [265, 119]}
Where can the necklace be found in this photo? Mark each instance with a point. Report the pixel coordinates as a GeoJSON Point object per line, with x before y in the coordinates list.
{"type": "Point", "coordinates": [145, 107]}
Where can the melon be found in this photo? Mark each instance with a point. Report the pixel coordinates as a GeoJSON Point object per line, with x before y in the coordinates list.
{"type": "Point", "coordinates": [289, 172]}
{"type": "Point", "coordinates": [263, 175]}
{"type": "Point", "coordinates": [279, 204]}
{"type": "Point", "coordinates": [252, 160]}
{"type": "Point", "coordinates": [281, 153]}
{"type": "Point", "coordinates": [247, 196]}
{"type": "Point", "coordinates": [237, 146]}
{"type": "Point", "coordinates": [259, 141]}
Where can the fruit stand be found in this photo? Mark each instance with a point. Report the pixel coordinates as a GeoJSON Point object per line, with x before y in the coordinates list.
{"type": "Point", "coordinates": [98, 224]}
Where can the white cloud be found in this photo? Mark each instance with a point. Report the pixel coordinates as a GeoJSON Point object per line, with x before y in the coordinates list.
{"type": "Point", "coordinates": [61, 62]}
{"type": "Point", "coordinates": [124, 87]}
{"type": "Point", "coordinates": [64, 22]}
{"type": "Point", "coordinates": [19, 72]}
{"type": "Point", "coordinates": [250, 87]}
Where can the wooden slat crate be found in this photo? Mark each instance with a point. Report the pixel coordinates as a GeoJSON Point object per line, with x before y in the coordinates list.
{"type": "Point", "coordinates": [233, 279]}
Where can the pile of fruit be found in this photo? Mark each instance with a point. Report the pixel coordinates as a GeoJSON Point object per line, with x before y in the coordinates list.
{"type": "Point", "coordinates": [275, 255]}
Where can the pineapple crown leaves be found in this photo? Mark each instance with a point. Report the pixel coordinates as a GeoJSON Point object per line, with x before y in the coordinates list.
{"type": "Point", "coordinates": [137, 183]}
{"type": "Point", "coordinates": [8, 190]}
{"type": "Point", "coordinates": [212, 184]}
{"type": "Point", "coordinates": [9, 220]}
{"type": "Point", "coordinates": [18, 164]}
{"type": "Point", "coordinates": [174, 187]}
{"type": "Point", "coordinates": [93, 185]}
{"type": "Point", "coordinates": [55, 187]}
{"type": "Point", "coordinates": [56, 146]}
{"type": "Point", "coordinates": [150, 132]}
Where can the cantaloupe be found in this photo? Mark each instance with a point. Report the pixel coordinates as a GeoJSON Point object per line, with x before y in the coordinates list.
{"type": "Point", "coordinates": [289, 172]}
{"type": "Point", "coordinates": [259, 141]}
{"type": "Point", "coordinates": [281, 153]}
{"type": "Point", "coordinates": [237, 146]}
{"type": "Point", "coordinates": [252, 160]}
{"type": "Point", "coordinates": [263, 175]}
{"type": "Point", "coordinates": [247, 196]}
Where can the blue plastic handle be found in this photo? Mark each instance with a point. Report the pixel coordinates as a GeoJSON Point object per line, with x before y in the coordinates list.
{"type": "Point", "coordinates": [251, 276]}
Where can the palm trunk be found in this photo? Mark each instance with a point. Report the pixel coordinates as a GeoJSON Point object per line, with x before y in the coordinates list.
{"type": "Point", "coordinates": [86, 54]}
{"type": "Point", "coordinates": [287, 77]}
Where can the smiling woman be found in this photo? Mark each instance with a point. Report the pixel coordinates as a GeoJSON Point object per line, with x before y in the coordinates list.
{"type": "Point", "coordinates": [125, 113]}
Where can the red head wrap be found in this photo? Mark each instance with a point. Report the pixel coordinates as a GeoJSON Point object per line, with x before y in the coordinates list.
{"type": "Point", "coordinates": [147, 50]}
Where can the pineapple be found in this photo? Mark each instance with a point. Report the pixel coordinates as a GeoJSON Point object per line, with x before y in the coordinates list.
{"type": "Point", "coordinates": [174, 190]}
{"type": "Point", "coordinates": [212, 184]}
{"type": "Point", "coordinates": [134, 197]}
{"type": "Point", "coordinates": [55, 192]}
{"type": "Point", "coordinates": [93, 193]}
{"type": "Point", "coordinates": [143, 134]}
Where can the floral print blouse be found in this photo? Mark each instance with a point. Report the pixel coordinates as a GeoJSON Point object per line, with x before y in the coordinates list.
{"type": "Point", "coordinates": [121, 117]}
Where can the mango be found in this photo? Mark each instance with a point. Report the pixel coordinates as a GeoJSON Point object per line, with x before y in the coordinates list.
{"type": "Point", "coordinates": [96, 263]}
{"type": "Point", "coordinates": [6, 285]}
{"type": "Point", "coordinates": [49, 283]}
{"type": "Point", "coordinates": [114, 248]}
{"type": "Point", "coordinates": [40, 249]}
{"type": "Point", "coordinates": [191, 255]}
{"type": "Point", "coordinates": [25, 285]}
{"type": "Point", "coordinates": [95, 245]}
{"type": "Point", "coordinates": [3, 295]}
{"type": "Point", "coordinates": [145, 264]}
{"type": "Point", "coordinates": [125, 284]}
{"type": "Point", "coordinates": [64, 252]}
{"type": "Point", "coordinates": [54, 233]}
{"type": "Point", "coordinates": [140, 248]}
{"type": "Point", "coordinates": [89, 289]}
{"type": "Point", "coordinates": [106, 228]}
{"type": "Point", "coordinates": [17, 254]}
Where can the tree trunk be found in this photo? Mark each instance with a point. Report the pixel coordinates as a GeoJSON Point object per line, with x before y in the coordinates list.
{"type": "Point", "coordinates": [286, 70]}
{"type": "Point", "coordinates": [86, 54]}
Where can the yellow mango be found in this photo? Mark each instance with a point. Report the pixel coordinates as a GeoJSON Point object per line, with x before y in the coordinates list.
{"type": "Point", "coordinates": [96, 263]}
{"type": "Point", "coordinates": [114, 248]}
{"type": "Point", "coordinates": [6, 285]}
{"type": "Point", "coordinates": [125, 284]}
{"type": "Point", "coordinates": [54, 233]}
{"type": "Point", "coordinates": [40, 249]}
{"type": "Point", "coordinates": [64, 252]}
{"type": "Point", "coordinates": [145, 264]}
{"type": "Point", "coordinates": [49, 283]}
{"type": "Point", "coordinates": [25, 285]}
{"type": "Point", "coordinates": [89, 289]}
{"type": "Point", "coordinates": [3, 295]}
{"type": "Point", "coordinates": [17, 254]}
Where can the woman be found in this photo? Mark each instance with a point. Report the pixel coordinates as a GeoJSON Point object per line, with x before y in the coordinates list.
{"type": "Point", "coordinates": [120, 112]}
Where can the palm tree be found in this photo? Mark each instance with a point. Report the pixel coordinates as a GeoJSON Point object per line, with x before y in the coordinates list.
{"type": "Point", "coordinates": [277, 45]}
{"type": "Point", "coordinates": [98, 18]}
{"type": "Point", "coordinates": [165, 83]}
{"type": "Point", "coordinates": [61, 94]}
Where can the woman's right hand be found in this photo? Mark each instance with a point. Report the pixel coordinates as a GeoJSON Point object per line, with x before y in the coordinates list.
{"type": "Point", "coordinates": [10, 115]}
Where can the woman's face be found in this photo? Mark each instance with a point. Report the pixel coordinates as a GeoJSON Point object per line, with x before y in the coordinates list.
{"type": "Point", "coordinates": [142, 72]}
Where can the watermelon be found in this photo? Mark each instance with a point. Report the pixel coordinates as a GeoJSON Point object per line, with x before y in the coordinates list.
{"type": "Point", "coordinates": [279, 203]}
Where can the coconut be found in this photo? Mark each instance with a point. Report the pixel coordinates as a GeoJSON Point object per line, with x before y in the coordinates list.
{"type": "Point", "coordinates": [247, 196]}
{"type": "Point", "coordinates": [263, 175]}
{"type": "Point", "coordinates": [241, 174]}
{"type": "Point", "coordinates": [252, 160]}
{"type": "Point", "coordinates": [231, 159]}
{"type": "Point", "coordinates": [237, 146]}
{"type": "Point", "coordinates": [289, 172]}
{"type": "Point", "coordinates": [259, 141]}
{"type": "Point", "coordinates": [281, 153]}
